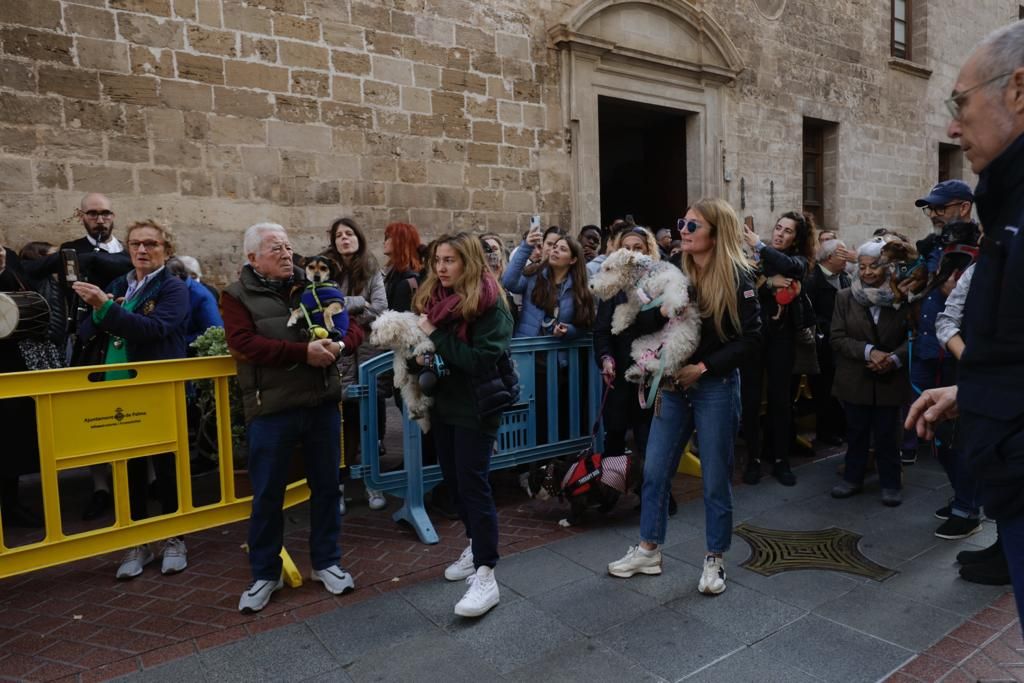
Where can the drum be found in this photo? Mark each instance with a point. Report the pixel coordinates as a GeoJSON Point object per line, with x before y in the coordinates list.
{"type": "Point", "coordinates": [23, 315]}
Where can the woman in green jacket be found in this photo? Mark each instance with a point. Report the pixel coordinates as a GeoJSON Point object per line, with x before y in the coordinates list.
{"type": "Point", "coordinates": [463, 310]}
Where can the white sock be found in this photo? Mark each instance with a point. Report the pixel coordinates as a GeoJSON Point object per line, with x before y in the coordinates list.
{"type": "Point", "coordinates": [647, 553]}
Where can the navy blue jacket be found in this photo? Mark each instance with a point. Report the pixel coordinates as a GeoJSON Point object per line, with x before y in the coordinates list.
{"type": "Point", "coordinates": [203, 312]}
{"type": "Point", "coordinates": [155, 330]}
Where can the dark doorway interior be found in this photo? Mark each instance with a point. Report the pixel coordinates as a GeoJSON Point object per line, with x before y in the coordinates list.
{"type": "Point", "coordinates": [643, 162]}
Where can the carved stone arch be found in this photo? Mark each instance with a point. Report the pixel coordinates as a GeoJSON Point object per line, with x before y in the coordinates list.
{"type": "Point", "coordinates": [662, 52]}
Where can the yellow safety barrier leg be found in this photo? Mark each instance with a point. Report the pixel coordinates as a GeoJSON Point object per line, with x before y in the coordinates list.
{"type": "Point", "coordinates": [290, 572]}
{"type": "Point", "coordinates": [689, 463]}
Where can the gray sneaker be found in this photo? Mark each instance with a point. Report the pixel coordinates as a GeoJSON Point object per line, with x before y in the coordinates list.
{"type": "Point", "coordinates": [636, 561]}
{"type": "Point", "coordinates": [335, 579]}
{"type": "Point", "coordinates": [175, 556]}
{"type": "Point", "coordinates": [891, 497]}
{"type": "Point", "coordinates": [257, 595]}
{"type": "Point", "coordinates": [133, 561]}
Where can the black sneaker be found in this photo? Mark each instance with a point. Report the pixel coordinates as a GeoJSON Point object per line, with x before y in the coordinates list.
{"type": "Point", "coordinates": [966, 557]}
{"type": "Point", "coordinates": [944, 512]}
{"type": "Point", "coordinates": [992, 572]}
{"type": "Point", "coordinates": [752, 472]}
{"type": "Point", "coordinates": [908, 456]}
{"type": "Point", "coordinates": [781, 471]}
{"type": "Point", "coordinates": [958, 527]}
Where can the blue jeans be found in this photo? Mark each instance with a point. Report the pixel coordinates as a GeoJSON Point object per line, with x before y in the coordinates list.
{"type": "Point", "coordinates": [272, 441]}
{"type": "Point", "coordinates": [465, 459]}
{"type": "Point", "coordinates": [712, 407]}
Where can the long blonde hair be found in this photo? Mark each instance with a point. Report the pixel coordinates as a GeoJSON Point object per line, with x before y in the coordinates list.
{"type": "Point", "coordinates": [469, 284]}
{"type": "Point", "coordinates": [716, 284]}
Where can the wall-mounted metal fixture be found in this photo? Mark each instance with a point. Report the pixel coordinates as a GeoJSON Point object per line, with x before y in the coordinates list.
{"type": "Point", "coordinates": [743, 193]}
{"type": "Point", "coordinates": [771, 195]}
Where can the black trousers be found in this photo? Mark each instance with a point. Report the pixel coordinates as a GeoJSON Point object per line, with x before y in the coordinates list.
{"type": "Point", "coordinates": [465, 459]}
{"type": "Point", "coordinates": [771, 373]}
{"type": "Point", "coordinates": [882, 426]}
{"type": "Point", "coordinates": [166, 484]}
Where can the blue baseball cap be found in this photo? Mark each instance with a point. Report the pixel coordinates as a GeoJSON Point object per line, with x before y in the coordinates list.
{"type": "Point", "coordinates": [945, 192]}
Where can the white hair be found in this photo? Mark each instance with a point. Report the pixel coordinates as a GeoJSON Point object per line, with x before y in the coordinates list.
{"type": "Point", "coordinates": [827, 248]}
{"type": "Point", "coordinates": [254, 236]}
{"type": "Point", "coordinates": [872, 248]}
{"type": "Point", "coordinates": [192, 266]}
{"type": "Point", "coordinates": [1002, 52]}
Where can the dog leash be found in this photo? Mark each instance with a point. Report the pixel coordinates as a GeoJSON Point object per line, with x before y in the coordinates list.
{"type": "Point", "coordinates": [652, 393]}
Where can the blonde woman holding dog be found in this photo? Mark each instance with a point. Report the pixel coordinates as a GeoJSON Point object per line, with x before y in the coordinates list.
{"type": "Point", "coordinates": [464, 312]}
{"type": "Point", "coordinates": [703, 395]}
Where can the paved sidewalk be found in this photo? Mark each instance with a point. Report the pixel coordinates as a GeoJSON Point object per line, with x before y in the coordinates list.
{"type": "Point", "coordinates": [562, 618]}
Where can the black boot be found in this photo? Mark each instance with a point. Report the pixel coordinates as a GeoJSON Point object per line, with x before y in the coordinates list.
{"type": "Point", "coordinates": [991, 572]}
{"type": "Point", "coordinates": [966, 557]}
{"type": "Point", "coordinates": [752, 472]}
{"type": "Point", "coordinates": [781, 471]}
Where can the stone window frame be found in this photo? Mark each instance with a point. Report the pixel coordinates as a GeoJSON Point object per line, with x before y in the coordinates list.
{"type": "Point", "coordinates": [916, 34]}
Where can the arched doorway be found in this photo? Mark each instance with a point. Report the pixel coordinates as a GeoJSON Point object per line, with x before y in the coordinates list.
{"type": "Point", "coordinates": [661, 61]}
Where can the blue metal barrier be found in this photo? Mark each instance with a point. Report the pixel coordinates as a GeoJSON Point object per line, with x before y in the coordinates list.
{"type": "Point", "coordinates": [517, 439]}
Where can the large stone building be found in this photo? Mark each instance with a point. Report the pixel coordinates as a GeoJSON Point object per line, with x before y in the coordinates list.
{"type": "Point", "coordinates": [214, 114]}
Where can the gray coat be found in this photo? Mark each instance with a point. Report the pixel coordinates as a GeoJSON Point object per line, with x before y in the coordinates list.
{"type": "Point", "coordinates": [852, 330]}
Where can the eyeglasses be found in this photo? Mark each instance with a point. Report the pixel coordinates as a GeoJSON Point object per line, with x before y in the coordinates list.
{"type": "Point", "coordinates": [98, 214]}
{"type": "Point", "coordinates": [689, 226]}
{"type": "Point", "coordinates": [955, 103]}
{"type": "Point", "coordinates": [150, 245]}
{"type": "Point", "coordinates": [931, 211]}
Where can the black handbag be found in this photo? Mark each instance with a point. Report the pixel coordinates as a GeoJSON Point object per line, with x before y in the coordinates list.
{"type": "Point", "coordinates": [497, 387]}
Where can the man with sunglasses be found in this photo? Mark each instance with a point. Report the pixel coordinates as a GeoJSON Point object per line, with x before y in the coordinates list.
{"type": "Point", "coordinates": [987, 109]}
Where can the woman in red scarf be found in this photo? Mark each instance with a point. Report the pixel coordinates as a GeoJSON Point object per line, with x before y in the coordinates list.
{"type": "Point", "coordinates": [467, 317]}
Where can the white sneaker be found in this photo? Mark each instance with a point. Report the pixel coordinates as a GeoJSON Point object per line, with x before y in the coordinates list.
{"type": "Point", "coordinates": [636, 561]}
{"type": "Point", "coordinates": [175, 556]}
{"type": "Point", "coordinates": [257, 595]}
{"type": "Point", "coordinates": [341, 500]}
{"type": "Point", "coordinates": [712, 579]}
{"type": "Point", "coordinates": [461, 568]}
{"type": "Point", "coordinates": [481, 596]}
{"type": "Point", "coordinates": [133, 561]}
{"type": "Point", "coordinates": [376, 499]}
{"type": "Point", "coordinates": [335, 579]}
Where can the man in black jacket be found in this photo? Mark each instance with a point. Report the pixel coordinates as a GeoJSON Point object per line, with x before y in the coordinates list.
{"type": "Point", "coordinates": [987, 107]}
{"type": "Point", "coordinates": [825, 280]}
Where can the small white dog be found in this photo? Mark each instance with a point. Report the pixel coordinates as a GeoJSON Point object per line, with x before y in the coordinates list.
{"type": "Point", "coordinates": [401, 333]}
{"type": "Point", "coordinates": [648, 282]}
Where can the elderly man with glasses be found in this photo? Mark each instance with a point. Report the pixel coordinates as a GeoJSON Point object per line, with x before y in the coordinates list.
{"type": "Point", "coordinates": [987, 106]}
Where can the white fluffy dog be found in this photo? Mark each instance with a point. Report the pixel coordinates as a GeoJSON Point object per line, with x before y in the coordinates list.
{"type": "Point", "coordinates": [646, 282]}
{"type": "Point", "coordinates": [401, 333]}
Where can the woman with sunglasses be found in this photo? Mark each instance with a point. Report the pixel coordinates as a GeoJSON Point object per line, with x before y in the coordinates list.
{"type": "Point", "coordinates": [784, 262]}
{"type": "Point", "coordinates": [703, 395]}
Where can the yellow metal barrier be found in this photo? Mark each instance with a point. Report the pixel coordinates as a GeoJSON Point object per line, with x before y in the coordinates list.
{"type": "Point", "coordinates": [83, 420]}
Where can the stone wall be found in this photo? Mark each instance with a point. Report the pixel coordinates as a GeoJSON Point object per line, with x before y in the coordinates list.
{"type": "Point", "coordinates": [211, 115]}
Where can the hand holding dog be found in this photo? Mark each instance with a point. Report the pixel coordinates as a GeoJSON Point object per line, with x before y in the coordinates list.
{"type": "Point", "coordinates": [780, 281]}
{"type": "Point", "coordinates": [934, 406]}
{"type": "Point", "coordinates": [560, 330]}
{"type": "Point", "coordinates": [425, 325]}
{"type": "Point", "coordinates": [321, 353]}
{"type": "Point", "coordinates": [687, 376]}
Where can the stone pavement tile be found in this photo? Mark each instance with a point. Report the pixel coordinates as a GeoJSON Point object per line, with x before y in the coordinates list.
{"type": "Point", "coordinates": [435, 599]}
{"type": "Point", "coordinates": [950, 650]}
{"type": "Point", "coordinates": [338, 675]}
{"type": "Point", "coordinates": [932, 578]}
{"type": "Point", "coordinates": [750, 501]}
{"type": "Point", "coordinates": [741, 611]}
{"type": "Point", "coordinates": [677, 579]}
{"type": "Point", "coordinates": [587, 662]}
{"type": "Point", "coordinates": [811, 515]}
{"type": "Point", "coordinates": [180, 670]}
{"type": "Point", "coordinates": [669, 644]}
{"type": "Point", "coordinates": [927, 668]}
{"type": "Point", "coordinates": [289, 653]}
{"type": "Point", "coordinates": [433, 656]}
{"type": "Point", "coordinates": [833, 652]}
{"type": "Point", "coordinates": [974, 633]}
{"type": "Point", "coordinates": [538, 571]}
{"type": "Point", "coordinates": [750, 665]}
{"type": "Point", "coordinates": [896, 533]}
{"type": "Point", "coordinates": [388, 617]}
{"type": "Point", "coordinates": [880, 612]}
{"type": "Point", "coordinates": [512, 636]}
{"type": "Point", "coordinates": [593, 604]}
{"type": "Point", "coordinates": [805, 588]}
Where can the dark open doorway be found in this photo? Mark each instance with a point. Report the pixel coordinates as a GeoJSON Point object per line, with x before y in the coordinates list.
{"type": "Point", "coordinates": [643, 162]}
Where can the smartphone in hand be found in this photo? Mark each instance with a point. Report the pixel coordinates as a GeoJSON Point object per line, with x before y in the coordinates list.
{"type": "Point", "coordinates": [748, 222]}
{"type": "Point", "coordinates": [72, 273]}
{"type": "Point", "coordinates": [534, 223]}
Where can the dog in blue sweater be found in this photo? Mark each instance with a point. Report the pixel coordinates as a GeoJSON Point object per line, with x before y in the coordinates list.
{"type": "Point", "coordinates": [322, 305]}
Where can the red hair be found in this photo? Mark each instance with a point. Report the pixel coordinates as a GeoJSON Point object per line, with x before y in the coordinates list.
{"type": "Point", "coordinates": [405, 246]}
